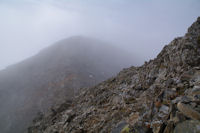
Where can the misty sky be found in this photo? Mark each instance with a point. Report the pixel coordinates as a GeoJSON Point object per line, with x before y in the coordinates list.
{"type": "Point", "coordinates": [141, 27]}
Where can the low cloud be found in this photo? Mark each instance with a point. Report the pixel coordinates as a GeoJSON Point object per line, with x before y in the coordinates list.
{"type": "Point", "coordinates": [140, 27]}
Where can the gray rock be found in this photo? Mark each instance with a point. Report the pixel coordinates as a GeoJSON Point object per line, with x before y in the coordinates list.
{"type": "Point", "coordinates": [169, 128]}
{"type": "Point", "coordinates": [119, 127]}
{"type": "Point", "coordinates": [164, 109]}
{"type": "Point", "coordinates": [183, 99]}
{"type": "Point", "coordinates": [176, 100]}
{"type": "Point", "coordinates": [188, 111]}
{"type": "Point", "coordinates": [189, 126]}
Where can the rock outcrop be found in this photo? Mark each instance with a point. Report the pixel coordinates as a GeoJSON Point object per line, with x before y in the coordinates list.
{"type": "Point", "coordinates": [161, 96]}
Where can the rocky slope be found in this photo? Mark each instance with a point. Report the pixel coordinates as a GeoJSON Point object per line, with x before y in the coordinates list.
{"type": "Point", "coordinates": [161, 96]}
{"type": "Point", "coordinates": [52, 76]}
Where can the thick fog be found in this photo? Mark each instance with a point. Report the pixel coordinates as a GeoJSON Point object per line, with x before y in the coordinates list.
{"type": "Point", "coordinates": [140, 27]}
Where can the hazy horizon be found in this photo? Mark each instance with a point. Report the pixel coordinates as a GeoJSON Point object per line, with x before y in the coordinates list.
{"type": "Point", "coordinates": [139, 27]}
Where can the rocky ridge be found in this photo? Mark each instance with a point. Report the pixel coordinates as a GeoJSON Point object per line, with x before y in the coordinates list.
{"type": "Point", "coordinates": [53, 76]}
{"type": "Point", "coordinates": [161, 96]}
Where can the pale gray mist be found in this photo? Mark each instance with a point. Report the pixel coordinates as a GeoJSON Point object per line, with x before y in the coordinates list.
{"type": "Point", "coordinates": [141, 27]}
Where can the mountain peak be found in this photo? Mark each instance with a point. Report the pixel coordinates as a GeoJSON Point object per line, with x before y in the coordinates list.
{"type": "Point", "coordinates": [54, 75]}
{"type": "Point", "coordinates": [194, 29]}
{"type": "Point", "coordinates": [183, 50]}
{"type": "Point", "coordinates": [161, 96]}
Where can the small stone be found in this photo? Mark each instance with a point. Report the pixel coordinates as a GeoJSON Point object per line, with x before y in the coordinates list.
{"type": "Point", "coordinates": [197, 68]}
{"type": "Point", "coordinates": [196, 90]}
{"type": "Point", "coordinates": [188, 111]}
{"type": "Point", "coordinates": [180, 85]}
{"type": "Point", "coordinates": [114, 108]}
{"type": "Point", "coordinates": [186, 99]}
{"type": "Point", "coordinates": [196, 98]}
{"type": "Point", "coordinates": [174, 89]}
{"type": "Point", "coordinates": [185, 77]}
{"type": "Point", "coordinates": [164, 109]}
{"type": "Point", "coordinates": [183, 99]}
{"type": "Point", "coordinates": [176, 100]}
{"type": "Point", "coordinates": [65, 125]}
{"type": "Point", "coordinates": [117, 100]}
{"type": "Point", "coordinates": [129, 100]}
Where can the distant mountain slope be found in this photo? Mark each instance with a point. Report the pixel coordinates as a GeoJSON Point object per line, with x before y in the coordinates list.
{"type": "Point", "coordinates": [53, 76]}
{"type": "Point", "coordinates": [161, 96]}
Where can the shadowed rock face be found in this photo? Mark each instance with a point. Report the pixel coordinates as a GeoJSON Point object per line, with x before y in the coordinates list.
{"type": "Point", "coordinates": [53, 76]}
{"type": "Point", "coordinates": [161, 96]}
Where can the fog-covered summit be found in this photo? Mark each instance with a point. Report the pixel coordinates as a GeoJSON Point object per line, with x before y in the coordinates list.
{"type": "Point", "coordinates": [161, 96]}
{"type": "Point", "coordinates": [54, 75]}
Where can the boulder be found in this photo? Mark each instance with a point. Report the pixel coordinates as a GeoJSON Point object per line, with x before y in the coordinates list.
{"type": "Point", "coordinates": [188, 111]}
{"type": "Point", "coordinates": [189, 126]}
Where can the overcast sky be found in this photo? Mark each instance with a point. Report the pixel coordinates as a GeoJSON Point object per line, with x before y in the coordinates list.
{"type": "Point", "coordinates": [141, 27]}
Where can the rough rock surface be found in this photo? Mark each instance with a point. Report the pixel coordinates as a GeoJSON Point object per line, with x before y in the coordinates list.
{"type": "Point", "coordinates": [139, 99]}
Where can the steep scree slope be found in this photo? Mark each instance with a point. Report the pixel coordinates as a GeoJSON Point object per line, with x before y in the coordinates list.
{"type": "Point", "coordinates": [161, 96]}
{"type": "Point", "coordinates": [53, 76]}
